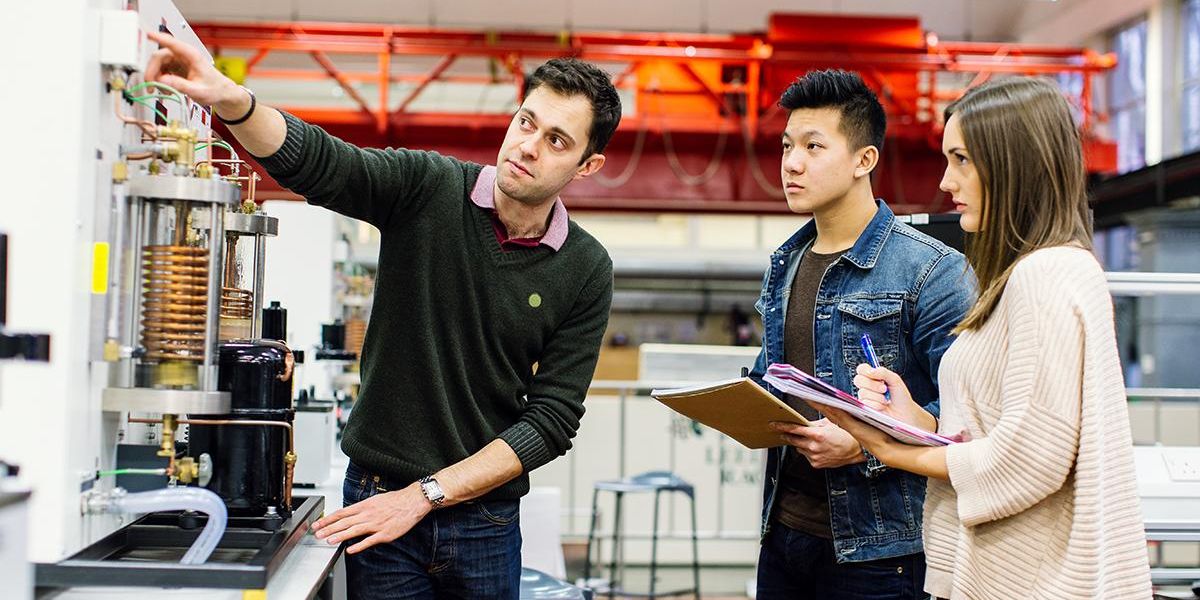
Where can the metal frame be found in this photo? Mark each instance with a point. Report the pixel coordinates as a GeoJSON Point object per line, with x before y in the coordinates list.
{"type": "Point", "coordinates": [642, 51]}
{"type": "Point", "coordinates": [702, 88]}
{"type": "Point", "coordinates": [100, 564]}
{"type": "Point", "coordinates": [142, 191]}
{"type": "Point", "coordinates": [1155, 186]}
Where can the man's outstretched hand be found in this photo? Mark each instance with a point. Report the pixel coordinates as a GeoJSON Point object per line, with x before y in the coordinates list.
{"type": "Point", "coordinates": [186, 69]}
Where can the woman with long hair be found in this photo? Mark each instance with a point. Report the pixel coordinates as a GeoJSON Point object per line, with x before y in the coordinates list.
{"type": "Point", "coordinates": [1040, 499]}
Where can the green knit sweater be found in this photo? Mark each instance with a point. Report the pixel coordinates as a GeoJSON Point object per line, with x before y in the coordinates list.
{"type": "Point", "coordinates": [466, 343]}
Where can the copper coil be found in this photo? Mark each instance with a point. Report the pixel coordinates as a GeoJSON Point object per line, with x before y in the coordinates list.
{"type": "Point", "coordinates": [237, 303]}
{"type": "Point", "coordinates": [356, 333]}
{"type": "Point", "coordinates": [174, 302]}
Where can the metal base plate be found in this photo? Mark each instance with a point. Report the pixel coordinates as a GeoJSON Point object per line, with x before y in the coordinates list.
{"type": "Point", "coordinates": [147, 554]}
{"type": "Point", "coordinates": [251, 224]}
{"type": "Point", "coordinates": [192, 189]}
{"type": "Point", "coordinates": [165, 401]}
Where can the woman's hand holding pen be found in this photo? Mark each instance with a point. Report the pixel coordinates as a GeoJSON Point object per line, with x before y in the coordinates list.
{"type": "Point", "coordinates": [874, 382]}
{"type": "Point", "coordinates": [875, 441]}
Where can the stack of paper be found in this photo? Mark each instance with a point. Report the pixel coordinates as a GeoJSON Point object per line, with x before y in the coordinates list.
{"type": "Point", "coordinates": [790, 380]}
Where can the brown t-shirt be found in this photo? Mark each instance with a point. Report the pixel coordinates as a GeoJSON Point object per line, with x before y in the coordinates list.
{"type": "Point", "coordinates": [803, 500]}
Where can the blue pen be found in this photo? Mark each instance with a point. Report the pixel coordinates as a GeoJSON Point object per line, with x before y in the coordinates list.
{"type": "Point", "coordinates": [869, 351]}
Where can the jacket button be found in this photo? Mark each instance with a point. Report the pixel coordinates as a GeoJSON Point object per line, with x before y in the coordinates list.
{"type": "Point", "coordinates": [900, 570]}
{"type": "Point", "coordinates": [781, 262]}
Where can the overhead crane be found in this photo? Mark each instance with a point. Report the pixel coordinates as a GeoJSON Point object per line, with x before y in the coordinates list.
{"type": "Point", "coordinates": [702, 131]}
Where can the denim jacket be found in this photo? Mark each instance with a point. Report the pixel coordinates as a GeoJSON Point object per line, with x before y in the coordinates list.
{"type": "Point", "coordinates": [908, 291]}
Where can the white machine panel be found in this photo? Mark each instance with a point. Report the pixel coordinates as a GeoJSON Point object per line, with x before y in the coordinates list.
{"type": "Point", "coordinates": [16, 572]}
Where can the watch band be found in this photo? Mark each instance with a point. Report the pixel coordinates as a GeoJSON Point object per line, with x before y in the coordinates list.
{"type": "Point", "coordinates": [245, 117]}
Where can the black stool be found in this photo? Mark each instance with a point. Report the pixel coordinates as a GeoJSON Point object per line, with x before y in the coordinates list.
{"type": "Point", "coordinates": [653, 481]}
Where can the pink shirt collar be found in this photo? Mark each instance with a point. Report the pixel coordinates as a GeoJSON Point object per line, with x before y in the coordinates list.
{"type": "Point", "coordinates": [483, 196]}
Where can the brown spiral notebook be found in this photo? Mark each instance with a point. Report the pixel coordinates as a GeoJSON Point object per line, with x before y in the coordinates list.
{"type": "Point", "coordinates": [739, 408]}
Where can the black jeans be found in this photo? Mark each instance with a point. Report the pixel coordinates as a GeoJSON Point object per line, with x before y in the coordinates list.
{"type": "Point", "coordinates": [471, 551]}
{"type": "Point", "coordinates": [793, 565]}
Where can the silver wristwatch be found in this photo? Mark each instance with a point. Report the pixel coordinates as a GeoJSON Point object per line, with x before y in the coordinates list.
{"type": "Point", "coordinates": [433, 491]}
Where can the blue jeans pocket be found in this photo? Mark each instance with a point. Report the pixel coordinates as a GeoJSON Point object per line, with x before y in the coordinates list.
{"type": "Point", "coordinates": [500, 512]}
{"type": "Point", "coordinates": [354, 486]}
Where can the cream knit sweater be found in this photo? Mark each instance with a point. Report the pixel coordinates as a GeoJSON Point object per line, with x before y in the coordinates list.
{"type": "Point", "coordinates": [1042, 503]}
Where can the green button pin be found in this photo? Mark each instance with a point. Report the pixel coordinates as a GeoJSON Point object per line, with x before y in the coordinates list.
{"type": "Point", "coordinates": [535, 300]}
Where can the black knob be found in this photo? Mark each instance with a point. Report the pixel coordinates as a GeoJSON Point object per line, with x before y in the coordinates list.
{"type": "Point", "coordinates": [274, 326]}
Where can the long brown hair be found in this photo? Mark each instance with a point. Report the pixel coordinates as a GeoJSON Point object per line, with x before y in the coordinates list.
{"type": "Point", "coordinates": [1026, 148]}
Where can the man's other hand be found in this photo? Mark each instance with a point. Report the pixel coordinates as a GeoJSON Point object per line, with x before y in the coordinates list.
{"type": "Point", "coordinates": [380, 519]}
{"type": "Point", "coordinates": [824, 444]}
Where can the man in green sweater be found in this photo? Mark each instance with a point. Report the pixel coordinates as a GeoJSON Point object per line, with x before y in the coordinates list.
{"type": "Point", "coordinates": [490, 307]}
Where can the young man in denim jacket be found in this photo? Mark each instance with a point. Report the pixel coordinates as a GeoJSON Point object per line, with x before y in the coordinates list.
{"type": "Point", "coordinates": [837, 524]}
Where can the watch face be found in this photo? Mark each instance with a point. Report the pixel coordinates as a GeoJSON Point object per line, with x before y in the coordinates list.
{"type": "Point", "coordinates": [433, 491]}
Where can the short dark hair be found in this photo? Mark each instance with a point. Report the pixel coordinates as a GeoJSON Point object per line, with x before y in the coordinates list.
{"type": "Point", "coordinates": [863, 121]}
{"type": "Point", "coordinates": [571, 77]}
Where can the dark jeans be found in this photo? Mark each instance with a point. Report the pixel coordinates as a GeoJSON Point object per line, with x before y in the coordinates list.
{"type": "Point", "coordinates": [793, 565]}
{"type": "Point", "coordinates": [471, 550]}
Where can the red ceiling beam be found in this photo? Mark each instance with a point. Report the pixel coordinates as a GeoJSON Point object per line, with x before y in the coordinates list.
{"type": "Point", "coordinates": [697, 85]}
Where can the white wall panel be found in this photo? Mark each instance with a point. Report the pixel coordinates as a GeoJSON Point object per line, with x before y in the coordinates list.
{"type": "Point", "coordinates": [400, 12]}
{"type": "Point", "coordinates": [502, 14]}
{"type": "Point", "coordinates": [660, 15]}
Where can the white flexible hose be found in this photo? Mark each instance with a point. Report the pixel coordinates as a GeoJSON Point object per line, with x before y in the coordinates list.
{"type": "Point", "coordinates": [182, 498]}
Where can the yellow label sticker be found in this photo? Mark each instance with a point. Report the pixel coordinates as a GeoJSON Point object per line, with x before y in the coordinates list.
{"type": "Point", "coordinates": [100, 268]}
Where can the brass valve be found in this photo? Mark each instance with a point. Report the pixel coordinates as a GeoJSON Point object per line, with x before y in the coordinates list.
{"type": "Point", "coordinates": [183, 151]}
{"type": "Point", "coordinates": [112, 351]}
{"type": "Point", "coordinates": [169, 424]}
{"type": "Point", "coordinates": [187, 470]}
{"type": "Point", "coordinates": [171, 151]}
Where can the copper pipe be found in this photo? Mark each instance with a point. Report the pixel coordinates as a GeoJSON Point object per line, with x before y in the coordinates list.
{"type": "Point", "coordinates": [146, 126]}
{"type": "Point", "coordinates": [289, 461]}
{"type": "Point", "coordinates": [232, 156]}
{"type": "Point", "coordinates": [210, 147]}
{"type": "Point", "coordinates": [236, 303]}
{"type": "Point", "coordinates": [174, 302]}
{"type": "Point", "coordinates": [251, 179]}
{"type": "Point", "coordinates": [236, 162]}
